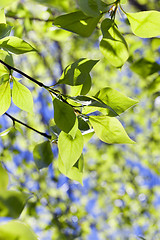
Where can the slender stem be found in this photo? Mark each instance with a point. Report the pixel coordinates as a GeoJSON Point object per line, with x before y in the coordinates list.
{"type": "Point", "coordinates": [16, 120]}
{"type": "Point", "coordinates": [23, 74]}
{"type": "Point", "coordinates": [30, 18]}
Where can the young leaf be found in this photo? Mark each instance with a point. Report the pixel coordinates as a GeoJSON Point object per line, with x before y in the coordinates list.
{"type": "Point", "coordinates": [13, 230]}
{"type": "Point", "coordinates": [92, 8]}
{"type": "Point", "coordinates": [7, 58]}
{"type": "Point", "coordinates": [22, 96]}
{"type": "Point", "coordinates": [70, 149]}
{"type": "Point", "coordinates": [5, 97]}
{"type": "Point", "coordinates": [15, 45]}
{"type": "Point", "coordinates": [64, 115]}
{"type": "Point", "coordinates": [77, 22]}
{"type": "Point", "coordinates": [116, 100]}
{"type": "Point", "coordinates": [145, 24]}
{"type": "Point", "coordinates": [6, 3]}
{"type": "Point", "coordinates": [109, 129]}
{"type": "Point", "coordinates": [4, 30]}
{"type": "Point", "coordinates": [4, 179]}
{"type": "Point", "coordinates": [113, 45]}
{"type": "Point", "coordinates": [12, 203]}
{"type": "Point", "coordinates": [145, 68]}
{"type": "Point", "coordinates": [3, 71]}
{"type": "Point", "coordinates": [77, 74]}
{"type": "Point", "coordinates": [5, 132]}
{"type": "Point", "coordinates": [76, 172]}
{"type": "Point", "coordinates": [43, 155]}
{"type": "Point", "coordinates": [2, 17]}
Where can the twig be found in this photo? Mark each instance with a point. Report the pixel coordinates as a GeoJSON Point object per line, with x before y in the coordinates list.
{"type": "Point", "coordinates": [23, 74]}
{"type": "Point", "coordinates": [18, 121]}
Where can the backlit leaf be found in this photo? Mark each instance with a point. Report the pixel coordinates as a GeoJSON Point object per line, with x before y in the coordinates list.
{"type": "Point", "coordinates": [70, 148]}
{"type": "Point", "coordinates": [2, 16]}
{"type": "Point", "coordinates": [77, 22]}
{"type": "Point", "coordinates": [16, 230]}
{"type": "Point", "coordinates": [15, 45]}
{"type": "Point", "coordinates": [42, 154]}
{"type": "Point", "coordinates": [92, 7]}
{"type": "Point", "coordinates": [4, 30]}
{"type": "Point", "coordinates": [116, 100]}
{"type": "Point", "coordinates": [6, 2]}
{"type": "Point", "coordinates": [64, 115]}
{"type": "Point", "coordinates": [109, 129]}
{"type": "Point", "coordinates": [4, 179]}
{"type": "Point", "coordinates": [22, 96]}
{"type": "Point", "coordinates": [113, 45]}
{"type": "Point", "coordinates": [5, 97]}
{"type": "Point", "coordinates": [12, 203]}
{"type": "Point", "coordinates": [76, 172]}
{"type": "Point", "coordinates": [145, 24]}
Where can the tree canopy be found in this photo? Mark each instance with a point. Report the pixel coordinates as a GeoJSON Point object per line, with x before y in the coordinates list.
{"type": "Point", "coordinates": [79, 119]}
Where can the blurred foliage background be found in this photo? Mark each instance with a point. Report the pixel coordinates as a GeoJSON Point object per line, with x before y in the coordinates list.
{"type": "Point", "coordinates": [120, 196]}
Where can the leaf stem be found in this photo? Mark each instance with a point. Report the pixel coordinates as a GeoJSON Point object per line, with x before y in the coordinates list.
{"type": "Point", "coordinates": [24, 124]}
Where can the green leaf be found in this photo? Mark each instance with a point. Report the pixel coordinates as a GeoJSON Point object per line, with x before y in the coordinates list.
{"type": "Point", "coordinates": [77, 74]}
{"type": "Point", "coordinates": [116, 100]}
{"type": "Point", "coordinates": [16, 230]}
{"type": "Point", "coordinates": [145, 24]}
{"type": "Point", "coordinates": [145, 68]}
{"type": "Point", "coordinates": [15, 45]}
{"type": "Point", "coordinates": [70, 149]}
{"type": "Point", "coordinates": [12, 203]}
{"type": "Point", "coordinates": [4, 179]}
{"type": "Point", "coordinates": [74, 129]}
{"type": "Point", "coordinates": [43, 155]}
{"type": "Point", "coordinates": [2, 16]}
{"type": "Point", "coordinates": [22, 96]}
{"type": "Point", "coordinates": [4, 30]}
{"type": "Point", "coordinates": [64, 115]}
{"type": "Point", "coordinates": [5, 132]}
{"type": "Point", "coordinates": [6, 57]}
{"type": "Point", "coordinates": [77, 22]}
{"type": "Point", "coordinates": [6, 3]}
{"type": "Point", "coordinates": [109, 129]}
{"type": "Point", "coordinates": [92, 7]}
{"type": "Point", "coordinates": [5, 97]}
{"type": "Point", "coordinates": [76, 172]}
{"type": "Point", "coordinates": [113, 45]}
{"type": "Point", "coordinates": [3, 70]}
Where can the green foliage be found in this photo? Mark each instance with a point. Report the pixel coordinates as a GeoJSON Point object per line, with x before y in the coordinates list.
{"type": "Point", "coordinates": [77, 22]}
{"type": "Point", "coordinates": [109, 129]}
{"type": "Point", "coordinates": [17, 230]}
{"type": "Point", "coordinates": [84, 103]}
{"type": "Point", "coordinates": [42, 154]}
{"type": "Point", "coordinates": [145, 24]}
{"type": "Point", "coordinates": [12, 203]}
{"type": "Point", "coordinates": [5, 97]}
{"type": "Point", "coordinates": [113, 45]}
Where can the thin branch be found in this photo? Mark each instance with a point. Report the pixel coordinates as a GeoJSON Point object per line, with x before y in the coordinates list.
{"type": "Point", "coordinates": [30, 18]}
{"type": "Point", "coordinates": [18, 121]}
{"type": "Point", "coordinates": [23, 74]}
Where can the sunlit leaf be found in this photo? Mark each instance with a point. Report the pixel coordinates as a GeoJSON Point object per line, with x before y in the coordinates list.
{"type": "Point", "coordinates": [12, 203]}
{"type": "Point", "coordinates": [42, 154]}
{"type": "Point", "coordinates": [109, 129]}
{"type": "Point", "coordinates": [4, 30]}
{"type": "Point", "coordinates": [5, 97]}
{"type": "Point", "coordinates": [144, 67]}
{"type": "Point", "coordinates": [22, 96]}
{"type": "Point", "coordinates": [116, 100]}
{"type": "Point", "coordinates": [4, 179]}
{"type": "Point", "coordinates": [64, 115]}
{"type": "Point", "coordinates": [15, 45]}
{"type": "Point", "coordinates": [6, 2]}
{"type": "Point", "coordinates": [16, 230]}
{"type": "Point", "coordinates": [145, 24]}
{"type": "Point", "coordinates": [70, 148]}
{"type": "Point", "coordinates": [77, 22]}
{"type": "Point", "coordinates": [77, 74]}
{"type": "Point", "coordinates": [113, 45]}
{"type": "Point", "coordinates": [92, 7]}
{"type": "Point", "coordinates": [5, 132]}
{"type": "Point", "coordinates": [2, 16]}
{"type": "Point", "coordinates": [76, 172]}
